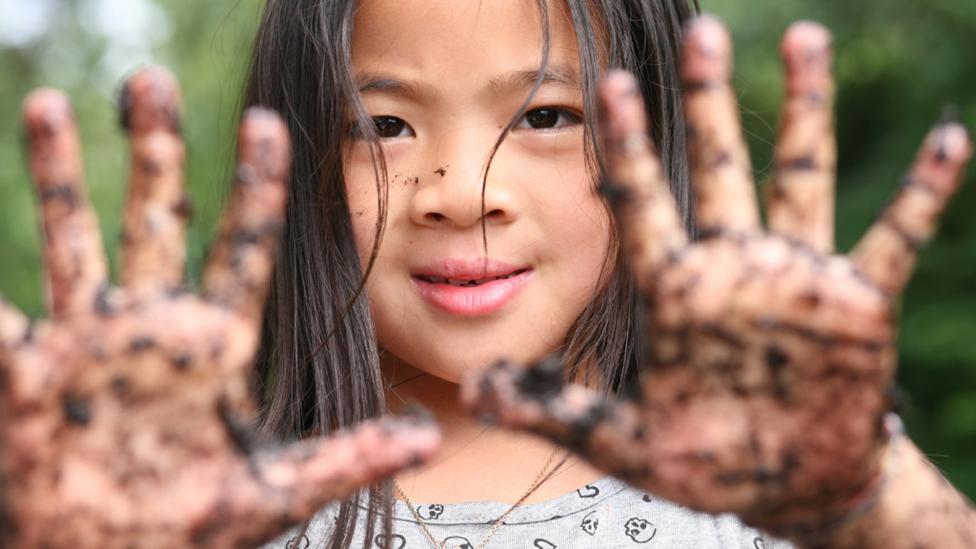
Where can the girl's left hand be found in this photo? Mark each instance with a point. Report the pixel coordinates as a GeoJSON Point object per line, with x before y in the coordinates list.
{"type": "Point", "coordinates": [768, 356]}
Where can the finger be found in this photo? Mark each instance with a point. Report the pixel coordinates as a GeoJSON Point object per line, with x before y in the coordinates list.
{"type": "Point", "coordinates": [605, 431]}
{"type": "Point", "coordinates": [73, 252]}
{"type": "Point", "coordinates": [636, 187]}
{"type": "Point", "coordinates": [240, 265]}
{"type": "Point", "coordinates": [13, 325]}
{"type": "Point", "coordinates": [886, 254]}
{"type": "Point", "coordinates": [720, 165]}
{"type": "Point", "coordinates": [287, 486]}
{"type": "Point", "coordinates": [154, 226]}
{"type": "Point", "coordinates": [801, 196]}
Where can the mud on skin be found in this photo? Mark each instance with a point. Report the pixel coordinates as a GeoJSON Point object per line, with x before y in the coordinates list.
{"type": "Point", "coordinates": [769, 356]}
{"type": "Point", "coordinates": [126, 417]}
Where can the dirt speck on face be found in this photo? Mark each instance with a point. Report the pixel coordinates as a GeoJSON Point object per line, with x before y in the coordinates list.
{"type": "Point", "coordinates": [442, 171]}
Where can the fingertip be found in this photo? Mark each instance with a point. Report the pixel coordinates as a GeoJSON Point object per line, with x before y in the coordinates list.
{"type": "Point", "coordinates": [418, 429]}
{"type": "Point", "coordinates": [807, 50]}
{"type": "Point", "coordinates": [950, 142]}
{"type": "Point", "coordinates": [46, 108]}
{"type": "Point", "coordinates": [415, 413]}
{"type": "Point", "coordinates": [618, 82]}
{"type": "Point", "coordinates": [621, 105]}
{"type": "Point", "coordinates": [264, 122]}
{"type": "Point", "coordinates": [393, 443]}
{"type": "Point", "coordinates": [150, 100]}
{"type": "Point", "coordinates": [43, 100]}
{"type": "Point", "coordinates": [806, 37]}
{"type": "Point", "coordinates": [707, 50]}
{"type": "Point", "coordinates": [708, 26]}
{"type": "Point", "coordinates": [422, 442]}
{"type": "Point", "coordinates": [264, 138]}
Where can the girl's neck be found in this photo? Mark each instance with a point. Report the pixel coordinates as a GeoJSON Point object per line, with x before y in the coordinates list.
{"type": "Point", "coordinates": [476, 462]}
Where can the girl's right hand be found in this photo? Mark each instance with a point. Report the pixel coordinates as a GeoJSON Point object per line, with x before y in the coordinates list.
{"type": "Point", "coordinates": [124, 416]}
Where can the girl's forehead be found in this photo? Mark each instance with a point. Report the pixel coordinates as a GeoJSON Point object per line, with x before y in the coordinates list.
{"type": "Point", "coordinates": [456, 39]}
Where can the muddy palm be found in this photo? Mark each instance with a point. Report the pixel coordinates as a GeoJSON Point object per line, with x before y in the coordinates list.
{"type": "Point", "coordinates": [768, 356]}
{"type": "Point", "coordinates": [126, 414]}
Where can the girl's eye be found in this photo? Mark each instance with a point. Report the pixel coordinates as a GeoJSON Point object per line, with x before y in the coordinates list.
{"type": "Point", "coordinates": [548, 118]}
{"type": "Point", "coordinates": [388, 127]}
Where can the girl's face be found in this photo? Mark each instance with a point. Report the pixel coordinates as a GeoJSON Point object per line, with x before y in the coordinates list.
{"type": "Point", "coordinates": [441, 79]}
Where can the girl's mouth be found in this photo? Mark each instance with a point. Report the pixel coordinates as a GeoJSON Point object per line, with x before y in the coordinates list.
{"type": "Point", "coordinates": [471, 295]}
{"type": "Point", "coordinates": [468, 283]}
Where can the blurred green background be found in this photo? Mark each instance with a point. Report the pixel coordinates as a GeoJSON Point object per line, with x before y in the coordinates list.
{"type": "Point", "coordinates": [900, 63]}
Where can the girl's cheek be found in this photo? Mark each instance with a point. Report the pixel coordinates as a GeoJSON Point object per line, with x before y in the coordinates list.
{"type": "Point", "coordinates": [361, 197]}
{"type": "Point", "coordinates": [556, 171]}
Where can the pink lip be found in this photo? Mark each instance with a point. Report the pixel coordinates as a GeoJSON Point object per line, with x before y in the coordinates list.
{"type": "Point", "coordinates": [471, 301]}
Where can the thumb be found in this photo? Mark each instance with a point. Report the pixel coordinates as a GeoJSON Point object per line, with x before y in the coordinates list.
{"type": "Point", "coordinates": [282, 487]}
{"type": "Point", "coordinates": [604, 430]}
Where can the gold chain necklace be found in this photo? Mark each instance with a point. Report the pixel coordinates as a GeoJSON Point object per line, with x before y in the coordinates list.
{"type": "Point", "coordinates": [539, 479]}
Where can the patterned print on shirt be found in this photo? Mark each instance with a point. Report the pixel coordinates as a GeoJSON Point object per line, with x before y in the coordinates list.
{"type": "Point", "coordinates": [396, 542]}
{"type": "Point", "coordinates": [430, 512]}
{"type": "Point", "coordinates": [456, 542]}
{"type": "Point", "coordinates": [640, 530]}
{"type": "Point", "coordinates": [298, 543]}
{"type": "Point", "coordinates": [588, 491]}
{"type": "Point", "coordinates": [590, 523]}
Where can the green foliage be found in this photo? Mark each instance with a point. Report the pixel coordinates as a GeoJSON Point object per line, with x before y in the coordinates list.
{"type": "Point", "coordinates": [899, 63]}
{"type": "Point", "coordinates": [207, 48]}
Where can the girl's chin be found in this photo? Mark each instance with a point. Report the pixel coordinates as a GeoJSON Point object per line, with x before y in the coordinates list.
{"type": "Point", "coordinates": [447, 367]}
{"type": "Point", "coordinates": [456, 371]}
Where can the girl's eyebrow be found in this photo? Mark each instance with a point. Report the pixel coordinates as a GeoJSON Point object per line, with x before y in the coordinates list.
{"type": "Point", "coordinates": [562, 75]}
{"type": "Point", "coordinates": [510, 82]}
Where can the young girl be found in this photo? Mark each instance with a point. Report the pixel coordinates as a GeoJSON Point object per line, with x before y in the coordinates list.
{"type": "Point", "coordinates": [445, 153]}
{"type": "Point", "coordinates": [418, 95]}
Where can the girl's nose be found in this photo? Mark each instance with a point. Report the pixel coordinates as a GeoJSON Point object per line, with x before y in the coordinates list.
{"type": "Point", "coordinates": [452, 196]}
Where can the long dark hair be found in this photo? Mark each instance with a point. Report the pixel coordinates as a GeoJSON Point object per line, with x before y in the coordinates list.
{"type": "Point", "coordinates": [319, 364]}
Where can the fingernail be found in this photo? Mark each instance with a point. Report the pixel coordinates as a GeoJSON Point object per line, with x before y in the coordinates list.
{"type": "Point", "coordinates": [150, 101]}
{"type": "Point", "coordinates": [544, 380]}
{"type": "Point", "coordinates": [414, 413]}
{"type": "Point", "coordinates": [46, 109]}
{"type": "Point", "coordinates": [707, 50]}
{"type": "Point", "coordinates": [623, 110]}
{"type": "Point", "coordinates": [952, 142]}
{"type": "Point", "coordinates": [807, 37]}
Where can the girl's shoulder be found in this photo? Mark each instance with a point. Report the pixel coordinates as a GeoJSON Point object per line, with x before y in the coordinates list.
{"type": "Point", "coordinates": [606, 514]}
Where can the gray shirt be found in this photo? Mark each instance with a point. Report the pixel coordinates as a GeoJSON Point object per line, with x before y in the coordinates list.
{"type": "Point", "coordinates": [606, 514]}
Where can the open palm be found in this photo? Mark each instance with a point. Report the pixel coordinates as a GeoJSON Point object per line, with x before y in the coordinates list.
{"type": "Point", "coordinates": [768, 356]}
{"type": "Point", "coordinates": [125, 417]}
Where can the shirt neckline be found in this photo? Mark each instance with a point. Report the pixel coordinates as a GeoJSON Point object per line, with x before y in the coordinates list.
{"type": "Point", "coordinates": [475, 512]}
